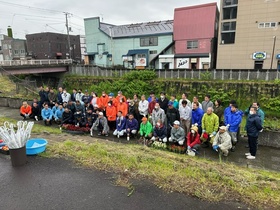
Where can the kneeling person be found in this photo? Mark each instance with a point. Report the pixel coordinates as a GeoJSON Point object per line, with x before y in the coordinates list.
{"type": "Point", "coordinates": [146, 129]}
{"type": "Point", "coordinates": [160, 132]}
{"type": "Point", "coordinates": [193, 139]}
{"type": "Point", "coordinates": [100, 125]}
{"type": "Point", "coordinates": [120, 125]}
{"type": "Point", "coordinates": [47, 114]}
{"type": "Point", "coordinates": [25, 110]}
{"type": "Point", "coordinates": [222, 141]}
{"type": "Point", "coordinates": [177, 134]}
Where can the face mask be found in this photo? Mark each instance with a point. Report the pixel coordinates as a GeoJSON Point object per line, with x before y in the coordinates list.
{"type": "Point", "coordinates": [119, 94]}
{"type": "Point", "coordinates": [64, 92]}
{"type": "Point", "coordinates": [103, 94]}
{"type": "Point", "coordinates": [162, 97]}
{"type": "Point", "coordinates": [129, 104]}
{"type": "Point", "coordinates": [93, 96]}
{"type": "Point", "coordinates": [120, 101]}
{"type": "Point", "coordinates": [192, 131]}
{"type": "Point", "coordinates": [109, 104]}
{"type": "Point", "coordinates": [156, 107]}
{"type": "Point", "coordinates": [158, 124]}
{"type": "Point", "coordinates": [80, 92]}
{"type": "Point", "coordinates": [110, 97]}
{"type": "Point", "coordinates": [251, 112]}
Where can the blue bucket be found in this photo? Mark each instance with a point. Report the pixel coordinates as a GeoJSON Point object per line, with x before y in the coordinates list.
{"type": "Point", "coordinates": [35, 146]}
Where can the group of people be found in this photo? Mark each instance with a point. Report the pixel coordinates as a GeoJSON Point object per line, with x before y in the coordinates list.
{"type": "Point", "coordinates": [187, 123]}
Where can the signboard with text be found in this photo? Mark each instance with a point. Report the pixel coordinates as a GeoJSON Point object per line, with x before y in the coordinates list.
{"type": "Point", "coordinates": [182, 63]}
{"type": "Point", "coordinates": [259, 56]}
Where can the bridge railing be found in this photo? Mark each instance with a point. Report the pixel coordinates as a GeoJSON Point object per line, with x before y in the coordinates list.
{"type": "Point", "coordinates": [35, 62]}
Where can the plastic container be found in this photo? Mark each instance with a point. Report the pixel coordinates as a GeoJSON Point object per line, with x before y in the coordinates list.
{"type": "Point", "coordinates": [35, 146]}
{"type": "Point", "coordinates": [18, 156]}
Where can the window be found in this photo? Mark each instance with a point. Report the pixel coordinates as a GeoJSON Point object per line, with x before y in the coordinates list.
{"type": "Point", "coordinates": [22, 51]}
{"type": "Point", "coordinates": [230, 2]}
{"type": "Point", "coordinates": [228, 38]}
{"type": "Point", "coordinates": [258, 65]}
{"type": "Point", "coordinates": [267, 25]}
{"type": "Point", "coordinates": [192, 44]}
{"type": "Point", "coordinates": [141, 55]}
{"type": "Point", "coordinates": [16, 52]}
{"type": "Point", "coordinates": [153, 52]}
{"type": "Point", "coordinates": [5, 46]}
{"type": "Point", "coordinates": [149, 41]}
{"type": "Point", "coordinates": [228, 26]}
{"type": "Point", "coordinates": [229, 13]}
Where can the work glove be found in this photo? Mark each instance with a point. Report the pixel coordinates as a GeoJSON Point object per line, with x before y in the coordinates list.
{"type": "Point", "coordinates": [189, 148]}
{"type": "Point", "coordinates": [203, 131]}
{"type": "Point", "coordinates": [215, 147]}
{"type": "Point", "coordinates": [214, 133]}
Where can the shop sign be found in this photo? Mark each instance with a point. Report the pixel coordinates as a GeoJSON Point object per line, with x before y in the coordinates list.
{"type": "Point", "coordinates": [259, 56]}
{"type": "Point", "coordinates": [182, 63]}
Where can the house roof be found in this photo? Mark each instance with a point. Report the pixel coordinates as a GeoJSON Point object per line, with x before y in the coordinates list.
{"type": "Point", "coordinates": [138, 29]}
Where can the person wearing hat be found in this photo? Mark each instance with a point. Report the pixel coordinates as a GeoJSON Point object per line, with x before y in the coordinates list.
{"type": "Point", "coordinates": [146, 129]}
{"type": "Point", "coordinates": [160, 132]}
{"type": "Point", "coordinates": [131, 126]}
{"type": "Point", "coordinates": [100, 125]}
{"type": "Point", "coordinates": [172, 115]}
{"type": "Point", "coordinates": [193, 138]}
{"type": "Point", "coordinates": [222, 141]}
{"type": "Point", "coordinates": [233, 122]}
{"type": "Point", "coordinates": [120, 125]}
{"type": "Point", "coordinates": [177, 134]}
{"type": "Point", "coordinates": [111, 97]}
{"type": "Point", "coordinates": [210, 125]}
{"type": "Point", "coordinates": [163, 101]}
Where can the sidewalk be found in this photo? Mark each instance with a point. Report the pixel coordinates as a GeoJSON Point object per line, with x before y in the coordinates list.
{"type": "Point", "coordinates": [267, 157]}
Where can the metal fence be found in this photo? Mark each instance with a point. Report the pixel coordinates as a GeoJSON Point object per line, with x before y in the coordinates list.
{"type": "Point", "coordinates": [35, 62]}
{"type": "Point", "coordinates": [216, 74]}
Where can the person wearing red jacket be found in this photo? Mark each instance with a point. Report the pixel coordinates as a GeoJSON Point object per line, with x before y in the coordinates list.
{"type": "Point", "coordinates": [152, 105]}
{"type": "Point", "coordinates": [122, 106]}
{"type": "Point", "coordinates": [25, 110]}
{"type": "Point", "coordinates": [193, 139]}
{"type": "Point", "coordinates": [111, 114]}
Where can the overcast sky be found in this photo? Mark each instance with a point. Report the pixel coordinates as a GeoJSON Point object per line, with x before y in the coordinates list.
{"type": "Point", "coordinates": [35, 16]}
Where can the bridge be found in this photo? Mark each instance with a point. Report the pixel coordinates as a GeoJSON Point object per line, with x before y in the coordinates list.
{"type": "Point", "coordinates": [17, 67]}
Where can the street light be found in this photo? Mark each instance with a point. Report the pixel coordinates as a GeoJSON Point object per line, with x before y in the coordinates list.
{"type": "Point", "coordinates": [273, 49]}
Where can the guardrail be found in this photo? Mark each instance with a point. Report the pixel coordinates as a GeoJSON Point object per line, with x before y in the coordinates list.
{"type": "Point", "coordinates": [35, 62]}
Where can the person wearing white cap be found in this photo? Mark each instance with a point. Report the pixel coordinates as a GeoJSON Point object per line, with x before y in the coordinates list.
{"type": "Point", "coordinates": [177, 134]}
{"type": "Point", "coordinates": [222, 141]}
{"type": "Point", "coordinates": [100, 125]}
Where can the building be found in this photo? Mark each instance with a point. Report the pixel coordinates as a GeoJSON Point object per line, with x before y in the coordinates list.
{"type": "Point", "coordinates": [13, 49]}
{"type": "Point", "coordinates": [133, 46]}
{"type": "Point", "coordinates": [83, 47]}
{"type": "Point", "coordinates": [195, 34]}
{"type": "Point", "coordinates": [49, 45]}
{"type": "Point", "coordinates": [249, 36]}
{"type": "Point", "coordinates": [2, 37]}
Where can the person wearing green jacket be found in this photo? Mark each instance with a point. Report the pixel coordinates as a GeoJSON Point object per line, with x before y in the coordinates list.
{"type": "Point", "coordinates": [146, 129]}
{"type": "Point", "coordinates": [210, 125]}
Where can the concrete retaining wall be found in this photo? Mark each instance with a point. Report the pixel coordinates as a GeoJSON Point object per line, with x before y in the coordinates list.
{"type": "Point", "coordinates": [12, 102]}
{"type": "Point", "coordinates": [270, 138]}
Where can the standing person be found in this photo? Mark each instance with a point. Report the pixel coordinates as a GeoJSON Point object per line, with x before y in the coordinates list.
{"type": "Point", "coordinates": [52, 97]}
{"type": "Point", "coordinates": [94, 100]}
{"type": "Point", "coordinates": [103, 101]}
{"type": "Point", "coordinates": [131, 107]}
{"type": "Point", "coordinates": [43, 96]}
{"type": "Point", "coordinates": [120, 125]}
{"type": "Point", "coordinates": [228, 109]}
{"type": "Point", "coordinates": [136, 107]}
{"type": "Point", "coordinates": [120, 95]}
{"type": "Point", "coordinates": [152, 94]}
{"type": "Point", "coordinates": [210, 125]}
{"type": "Point", "coordinates": [131, 126]}
{"type": "Point", "coordinates": [222, 141]}
{"type": "Point", "coordinates": [207, 103]}
{"type": "Point", "coordinates": [143, 107]}
{"type": "Point", "coordinates": [185, 98]}
{"type": "Point", "coordinates": [163, 101]}
{"type": "Point", "coordinates": [25, 110]}
{"type": "Point", "coordinates": [158, 114]}
{"type": "Point", "coordinates": [172, 115]}
{"type": "Point", "coordinates": [174, 100]}
{"type": "Point", "coordinates": [112, 98]}
{"type": "Point", "coordinates": [65, 96]}
{"type": "Point", "coordinates": [232, 122]}
{"type": "Point", "coordinates": [219, 111]}
{"type": "Point", "coordinates": [185, 116]}
{"type": "Point", "coordinates": [253, 127]}
{"type": "Point", "coordinates": [47, 114]}
{"type": "Point", "coordinates": [79, 95]}
{"type": "Point", "coordinates": [111, 114]}
{"type": "Point", "coordinates": [197, 114]}
{"type": "Point", "coordinates": [86, 97]}
{"type": "Point", "coordinates": [73, 94]}
{"type": "Point", "coordinates": [100, 125]}
{"type": "Point", "coordinates": [122, 106]}
{"type": "Point", "coordinates": [59, 95]}
{"type": "Point", "coordinates": [152, 104]}
{"type": "Point", "coordinates": [260, 112]}
{"type": "Point", "coordinates": [195, 100]}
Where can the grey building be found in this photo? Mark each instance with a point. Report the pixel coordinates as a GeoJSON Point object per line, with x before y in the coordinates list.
{"type": "Point", "coordinates": [13, 49]}
{"type": "Point", "coordinates": [53, 46]}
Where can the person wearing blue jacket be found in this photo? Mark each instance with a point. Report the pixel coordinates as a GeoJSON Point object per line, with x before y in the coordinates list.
{"type": "Point", "coordinates": [120, 125]}
{"type": "Point", "coordinates": [228, 109]}
{"type": "Point", "coordinates": [253, 127]}
{"type": "Point", "coordinates": [131, 126]}
{"type": "Point", "coordinates": [197, 114]}
{"type": "Point", "coordinates": [55, 107]}
{"type": "Point", "coordinates": [47, 114]}
{"type": "Point", "coordinates": [232, 121]}
{"type": "Point", "coordinates": [58, 114]}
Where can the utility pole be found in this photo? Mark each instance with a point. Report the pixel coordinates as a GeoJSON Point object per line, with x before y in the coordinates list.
{"type": "Point", "coordinates": [273, 49]}
{"type": "Point", "coordinates": [68, 36]}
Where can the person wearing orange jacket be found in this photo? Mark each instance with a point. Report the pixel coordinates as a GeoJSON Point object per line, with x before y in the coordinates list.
{"type": "Point", "coordinates": [120, 95]}
{"type": "Point", "coordinates": [113, 99]}
{"type": "Point", "coordinates": [122, 106]}
{"type": "Point", "coordinates": [103, 101]}
{"type": "Point", "coordinates": [25, 110]}
{"type": "Point", "coordinates": [111, 114]}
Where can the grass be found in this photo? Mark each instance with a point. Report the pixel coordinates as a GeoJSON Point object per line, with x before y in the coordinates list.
{"type": "Point", "coordinates": [37, 128]}
{"type": "Point", "coordinates": [194, 176]}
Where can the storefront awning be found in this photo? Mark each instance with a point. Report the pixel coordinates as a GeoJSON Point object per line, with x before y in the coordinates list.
{"type": "Point", "coordinates": [138, 51]}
